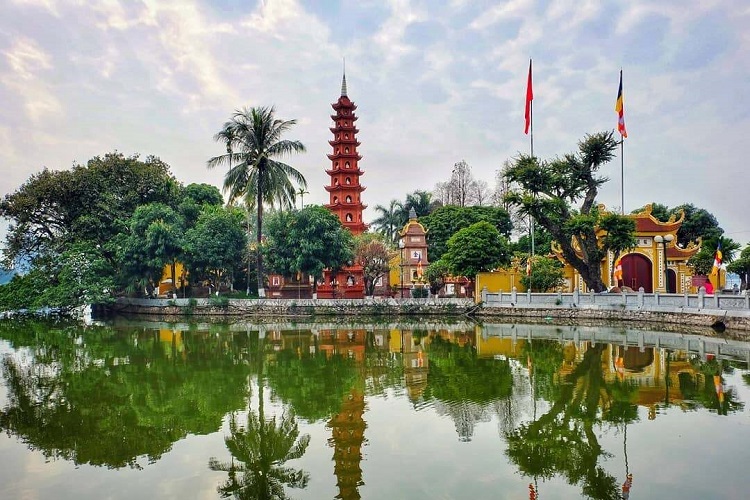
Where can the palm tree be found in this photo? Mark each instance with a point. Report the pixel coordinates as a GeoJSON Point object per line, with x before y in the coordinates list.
{"type": "Point", "coordinates": [388, 221]}
{"type": "Point", "coordinates": [253, 140]}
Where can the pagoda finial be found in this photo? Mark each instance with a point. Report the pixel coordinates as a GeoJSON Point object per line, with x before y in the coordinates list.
{"type": "Point", "coordinates": [343, 81]}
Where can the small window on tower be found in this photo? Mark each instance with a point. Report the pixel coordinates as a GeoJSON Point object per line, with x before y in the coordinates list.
{"type": "Point", "coordinates": [348, 199]}
{"type": "Point", "coordinates": [346, 136]}
{"type": "Point", "coordinates": [346, 150]}
{"type": "Point", "coordinates": [348, 217]}
{"type": "Point", "coordinates": [346, 165]}
{"type": "Point", "coordinates": [335, 182]}
{"type": "Point", "coordinates": [348, 180]}
{"type": "Point", "coordinates": [335, 199]}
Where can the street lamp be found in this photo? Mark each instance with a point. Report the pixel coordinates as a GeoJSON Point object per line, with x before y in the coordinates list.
{"type": "Point", "coordinates": [401, 246]}
{"type": "Point", "coordinates": [664, 240]}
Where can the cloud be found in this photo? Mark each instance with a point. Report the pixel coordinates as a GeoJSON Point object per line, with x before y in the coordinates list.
{"type": "Point", "coordinates": [435, 82]}
{"type": "Point", "coordinates": [28, 66]}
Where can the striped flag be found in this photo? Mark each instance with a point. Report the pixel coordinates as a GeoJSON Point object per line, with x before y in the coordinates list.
{"type": "Point", "coordinates": [717, 260]}
{"type": "Point", "coordinates": [529, 98]}
{"type": "Point", "coordinates": [620, 110]}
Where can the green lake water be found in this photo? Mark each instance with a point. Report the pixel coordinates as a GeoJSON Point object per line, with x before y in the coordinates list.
{"type": "Point", "coordinates": [430, 409]}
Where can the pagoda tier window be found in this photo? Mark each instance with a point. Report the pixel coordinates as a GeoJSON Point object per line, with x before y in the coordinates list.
{"type": "Point", "coordinates": [348, 199]}
{"type": "Point", "coordinates": [348, 180]}
{"type": "Point", "coordinates": [346, 165]}
{"type": "Point", "coordinates": [346, 136]}
{"type": "Point", "coordinates": [346, 150]}
{"type": "Point", "coordinates": [349, 217]}
{"type": "Point", "coordinates": [335, 199]}
{"type": "Point", "coordinates": [336, 164]}
{"type": "Point", "coordinates": [335, 182]}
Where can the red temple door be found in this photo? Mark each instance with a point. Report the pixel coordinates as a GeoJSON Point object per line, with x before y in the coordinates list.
{"type": "Point", "coordinates": [636, 272]}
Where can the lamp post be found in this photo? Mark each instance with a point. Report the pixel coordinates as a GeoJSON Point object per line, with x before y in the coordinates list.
{"type": "Point", "coordinates": [664, 240]}
{"type": "Point", "coordinates": [401, 246]}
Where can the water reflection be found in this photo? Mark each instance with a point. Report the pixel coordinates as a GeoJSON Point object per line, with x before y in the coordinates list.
{"type": "Point", "coordinates": [119, 396]}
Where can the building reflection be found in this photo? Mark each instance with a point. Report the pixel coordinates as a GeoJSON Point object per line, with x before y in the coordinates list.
{"type": "Point", "coordinates": [659, 373]}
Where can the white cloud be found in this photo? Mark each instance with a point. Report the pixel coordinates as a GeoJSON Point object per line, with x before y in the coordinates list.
{"type": "Point", "coordinates": [29, 66]}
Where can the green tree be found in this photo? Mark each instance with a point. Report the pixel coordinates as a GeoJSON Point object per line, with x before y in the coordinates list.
{"type": "Point", "coordinates": [475, 249]}
{"type": "Point", "coordinates": [89, 203]}
{"type": "Point", "coordinates": [703, 261]}
{"type": "Point", "coordinates": [420, 201]}
{"type": "Point", "coordinates": [699, 224]}
{"type": "Point", "coordinates": [389, 220]}
{"type": "Point", "coordinates": [217, 243]}
{"type": "Point", "coordinates": [445, 221]}
{"type": "Point", "coordinates": [547, 190]}
{"type": "Point", "coordinates": [156, 238]}
{"type": "Point", "coordinates": [194, 197]}
{"type": "Point", "coordinates": [741, 267]}
{"type": "Point", "coordinates": [374, 255]}
{"type": "Point", "coordinates": [254, 141]}
{"type": "Point", "coordinates": [546, 274]}
{"type": "Point", "coordinates": [307, 241]}
{"type": "Point", "coordinates": [542, 242]}
{"type": "Point", "coordinates": [435, 275]}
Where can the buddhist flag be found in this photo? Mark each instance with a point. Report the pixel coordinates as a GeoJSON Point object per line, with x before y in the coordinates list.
{"type": "Point", "coordinates": [618, 270]}
{"type": "Point", "coordinates": [620, 110]}
{"type": "Point", "coordinates": [529, 98]}
{"type": "Point", "coordinates": [717, 260]}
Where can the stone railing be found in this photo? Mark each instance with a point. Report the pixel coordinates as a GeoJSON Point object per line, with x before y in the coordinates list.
{"type": "Point", "coordinates": [698, 301]}
{"type": "Point", "coordinates": [720, 310]}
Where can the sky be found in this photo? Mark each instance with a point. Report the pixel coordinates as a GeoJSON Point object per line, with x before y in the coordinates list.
{"type": "Point", "coordinates": [435, 83]}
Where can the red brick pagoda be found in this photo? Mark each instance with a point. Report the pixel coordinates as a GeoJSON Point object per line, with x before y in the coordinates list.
{"type": "Point", "coordinates": [344, 193]}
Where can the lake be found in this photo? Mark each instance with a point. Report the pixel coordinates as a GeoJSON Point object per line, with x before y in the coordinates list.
{"type": "Point", "coordinates": [414, 409]}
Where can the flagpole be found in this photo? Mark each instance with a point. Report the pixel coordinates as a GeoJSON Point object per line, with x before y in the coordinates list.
{"type": "Point", "coordinates": [620, 110]}
{"type": "Point", "coordinates": [622, 175]}
{"type": "Point", "coordinates": [531, 139]}
{"type": "Point", "coordinates": [531, 145]}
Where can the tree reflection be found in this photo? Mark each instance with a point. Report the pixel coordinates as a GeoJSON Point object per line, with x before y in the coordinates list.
{"type": "Point", "coordinates": [107, 398]}
{"type": "Point", "coordinates": [563, 440]}
{"type": "Point", "coordinates": [466, 384]}
{"type": "Point", "coordinates": [259, 451]}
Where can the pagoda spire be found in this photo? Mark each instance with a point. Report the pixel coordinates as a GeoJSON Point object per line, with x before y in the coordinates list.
{"type": "Point", "coordinates": [343, 81]}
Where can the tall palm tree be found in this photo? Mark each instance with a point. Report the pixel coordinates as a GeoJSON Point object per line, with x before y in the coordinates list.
{"type": "Point", "coordinates": [388, 221]}
{"type": "Point", "coordinates": [253, 140]}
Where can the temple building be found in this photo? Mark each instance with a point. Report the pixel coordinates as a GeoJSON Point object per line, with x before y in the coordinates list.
{"type": "Point", "coordinates": [344, 192]}
{"type": "Point", "coordinates": [656, 264]}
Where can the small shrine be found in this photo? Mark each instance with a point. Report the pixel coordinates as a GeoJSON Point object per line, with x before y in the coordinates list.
{"type": "Point", "coordinates": [412, 258]}
{"type": "Point", "coordinates": [344, 191]}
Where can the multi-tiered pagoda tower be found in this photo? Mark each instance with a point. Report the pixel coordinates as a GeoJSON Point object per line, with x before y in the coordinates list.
{"type": "Point", "coordinates": [344, 190]}
{"type": "Point", "coordinates": [344, 193]}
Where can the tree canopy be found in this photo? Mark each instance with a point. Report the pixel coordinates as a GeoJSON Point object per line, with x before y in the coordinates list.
{"type": "Point", "coordinates": [90, 203]}
{"type": "Point", "coordinates": [548, 190]}
{"type": "Point", "coordinates": [445, 221]}
{"type": "Point", "coordinates": [475, 249]}
{"type": "Point", "coordinates": [307, 241]}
